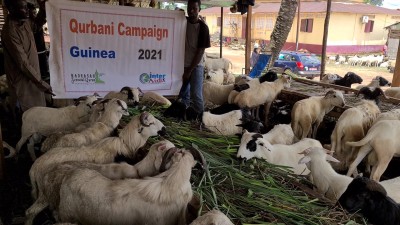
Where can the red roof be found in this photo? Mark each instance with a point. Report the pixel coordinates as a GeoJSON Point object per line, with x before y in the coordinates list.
{"type": "Point", "coordinates": [317, 7]}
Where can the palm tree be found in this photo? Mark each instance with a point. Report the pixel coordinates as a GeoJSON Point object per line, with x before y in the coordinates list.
{"type": "Point", "coordinates": [281, 30]}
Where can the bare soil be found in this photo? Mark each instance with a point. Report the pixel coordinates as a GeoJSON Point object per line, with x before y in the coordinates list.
{"type": "Point", "coordinates": [367, 73]}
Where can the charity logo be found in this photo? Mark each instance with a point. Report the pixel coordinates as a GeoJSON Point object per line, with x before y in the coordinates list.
{"type": "Point", "coordinates": [150, 78]}
{"type": "Point", "coordinates": [87, 78]}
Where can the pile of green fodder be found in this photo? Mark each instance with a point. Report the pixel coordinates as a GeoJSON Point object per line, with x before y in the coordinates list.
{"type": "Point", "coordinates": [254, 192]}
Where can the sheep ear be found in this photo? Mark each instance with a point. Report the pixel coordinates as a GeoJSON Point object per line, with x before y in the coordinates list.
{"type": "Point", "coordinates": [305, 160]}
{"type": "Point", "coordinates": [329, 93]}
{"type": "Point", "coordinates": [332, 159]}
{"type": "Point", "coordinates": [140, 129]}
{"type": "Point", "coordinates": [162, 147]}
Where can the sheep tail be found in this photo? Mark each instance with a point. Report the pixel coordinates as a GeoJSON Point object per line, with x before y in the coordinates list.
{"type": "Point", "coordinates": [338, 139]}
{"type": "Point", "coordinates": [363, 141]}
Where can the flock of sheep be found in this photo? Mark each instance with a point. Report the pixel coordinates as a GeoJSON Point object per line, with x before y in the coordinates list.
{"type": "Point", "coordinates": [77, 179]}
{"type": "Point", "coordinates": [76, 176]}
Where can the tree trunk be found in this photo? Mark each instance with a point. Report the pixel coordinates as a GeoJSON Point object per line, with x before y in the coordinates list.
{"type": "Point", "coordinates": [325, 38]}
{"type": "Point", "coordinates": [281, 30]}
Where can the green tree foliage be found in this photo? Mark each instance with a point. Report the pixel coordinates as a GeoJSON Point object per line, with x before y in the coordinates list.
{"type": "Point", "coordinates": [374, 2]}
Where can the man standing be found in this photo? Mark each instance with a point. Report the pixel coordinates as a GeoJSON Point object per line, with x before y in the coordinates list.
{"type": "Point", "coordinates": [21, 58]}
{"type": "Point", "coordinates": [197, 40]}
{"type": "Point", "coordinates": [37, 21]}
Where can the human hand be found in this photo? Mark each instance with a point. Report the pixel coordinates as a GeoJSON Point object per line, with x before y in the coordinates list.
{"type": "Point", "coordinates": [186, 75]}
{"type": "Point", "coordinates": [45, 87]}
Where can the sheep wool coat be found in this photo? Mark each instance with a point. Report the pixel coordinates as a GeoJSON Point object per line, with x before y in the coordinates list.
{"type": "Point", "coordinates": [21, 63]}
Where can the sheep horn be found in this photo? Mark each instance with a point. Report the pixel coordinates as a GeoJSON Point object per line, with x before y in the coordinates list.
{"type": "Point", "coordinates": [167, 158]}
{"type": "Point", "coordinates": [143, 118]}
{"type": "Point", "coordinates": [197, 155]}
{"type": "Point", "coordinates": [375, 186]}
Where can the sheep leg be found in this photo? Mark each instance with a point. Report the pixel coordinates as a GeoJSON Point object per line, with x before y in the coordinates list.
{"type": "Point", "coordinates": [314, 129]}
{"type": "Point", "coordinates": [267, 106]}
{"type": "Point", "coordinates": [383, 162]}
{"type": "Point", "coordinates": [364, 150]}
{"type": "Point", "coordinates": [31, 148]}
{"type": "Point", "coordinates": [34, 210]}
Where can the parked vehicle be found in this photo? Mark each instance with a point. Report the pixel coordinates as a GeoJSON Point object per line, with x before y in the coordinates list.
{"type": "Point", "coordinates": [303, 64]}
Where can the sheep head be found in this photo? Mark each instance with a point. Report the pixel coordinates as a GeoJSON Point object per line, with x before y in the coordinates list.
{"type": "Point", "coordinates": [167, 160]}
{"type": "Point", "coordinates": [150, 126]}
{"type": "Point", "coordinates": [335, 98]}
{"type": "Point", "coordinates": [132, 93]}
{"type": "Point", "coordinates": [352, 78]}
{"type": "Point", "coordinates": [286, 79]}
{"type": "Point", "coordinates": [316, 153]}
{"type": "Point", "coordinates": [252, 145]}
{"type": "Point", "coordinates": [382, 81]}
{"type": "Point", "coordinates": [360, 194]}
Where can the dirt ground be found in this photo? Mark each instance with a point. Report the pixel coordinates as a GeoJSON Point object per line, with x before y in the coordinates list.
{"type": "Point", "coordinates": [367, 73]}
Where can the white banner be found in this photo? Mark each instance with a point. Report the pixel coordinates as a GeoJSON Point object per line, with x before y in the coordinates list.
{"type": "Point", "coordinates": [101, 48]}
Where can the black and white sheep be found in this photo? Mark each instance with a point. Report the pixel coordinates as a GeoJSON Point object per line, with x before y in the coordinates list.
{"type": "Point", "coordinates": [126, 94]}
{"type": "Point", "coordinates": [279, 154]}
{"type": "Point", "coordinates": [231, 123]}
{"type": "Point", "coordinates": [371, 200]}
{"type": "Point", "coordinates": [372, 93]}
{"type": "Point", "coordinates": [349, 79]}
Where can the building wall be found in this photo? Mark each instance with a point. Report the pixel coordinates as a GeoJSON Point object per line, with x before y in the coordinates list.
{"type": "Point", "coordinates": [346, 31]}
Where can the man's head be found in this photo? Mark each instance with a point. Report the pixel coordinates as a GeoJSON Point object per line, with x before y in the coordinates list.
{"type": "Point", "coordinates": [193, 9]}
{"type": "Point", "coordinates": [18, 9]}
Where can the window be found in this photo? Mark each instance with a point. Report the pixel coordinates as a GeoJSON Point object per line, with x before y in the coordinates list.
{"type": "Point", "coordinates": [306, 25]}
{"type": "Point", "coordinates": [369, 27]}
{"type": "Point", "coordinates": [269, 24]}
{"type": "Point", "coordinates": [218, 21]}
{"type": "Point", "coordinates": [260, 23]}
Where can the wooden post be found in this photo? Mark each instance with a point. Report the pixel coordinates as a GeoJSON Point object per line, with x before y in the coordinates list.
{"type": "Point", "coordinates": [121, 2]}
{"type": "Point", "coordinates": [221, 30]}
{"type": "Point", "coordinates": [325, 38]}
{"type": "Point", "coordinates": [298, 26]}
{"type": "Point", "coordinates": [1, 156]}
{"type": "Point", "coordinates": [248, 41]}
{"type": "Point", "coordinates": [396, 75]}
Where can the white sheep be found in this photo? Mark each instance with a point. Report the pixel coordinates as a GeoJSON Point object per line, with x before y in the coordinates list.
{"type": "Point", "coordinates": [49, 186]}
{"type": "Point", "coordinates": [38, 121]}
{"type": "Point", "coordinates": [87, 197]}
{"type": "Point", "coordinates": [126, 94]}
{"type": "Point", "coordinates": [263, 93]}
{"type": "Point", "coordinates": [393, 114]}
{"type": "Point", "coordinates": [229, 78]}
{"type": "Point", "coordinates": [216, 93]}
{"type": "Point", "coordinates": [97, 110]}
{"type": "Point", "coordinates": [331, 184]}
{"type": "Point", "coordinates": [393, 92]}
{"type": "Point", "coordinates": [130, 139]}
{"type": "Point", "coordinates": [383, 139]}
{"type": "Point", "coordinates": [353, 125]}
{"type": "Point", "coordinates": [329, 78]}
{"type": "Point", "coordinates": [104, 127]}
{"type": "Point", "coordinates": [153, 98]}
{"type": "Point", "coordinates": [284, 155]}
{"type": "Point", "coordinates": [308, 113]}
{"type": "Point", "coordinates": [213, 217]}
{"type": "Point", "coordinates": [216, 76]}
{"type": "Point", "coordinates": [218, 64]}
